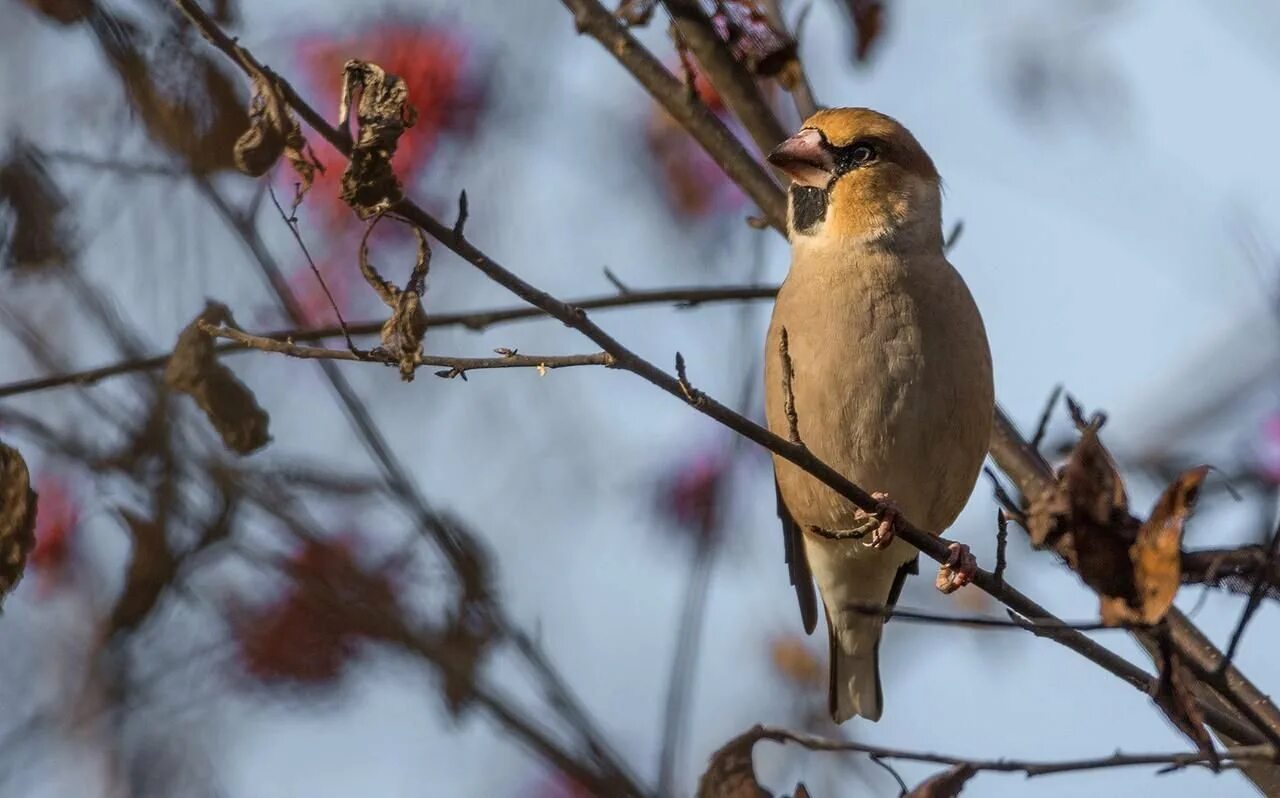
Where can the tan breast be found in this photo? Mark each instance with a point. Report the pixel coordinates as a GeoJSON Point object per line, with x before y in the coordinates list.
{"type": "Point", "coordinates": [892, 384]}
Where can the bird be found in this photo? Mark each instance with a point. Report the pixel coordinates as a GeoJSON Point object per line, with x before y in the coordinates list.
{"type": "Point", "coordinates": [877, 361]}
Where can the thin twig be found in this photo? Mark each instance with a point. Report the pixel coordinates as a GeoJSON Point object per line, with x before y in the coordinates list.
{"type": "Point", "coordinates": [1002, 542]}
{"type": "Point", "coordinates": [1043, 425]}
{"type": "Point", "coordinates": [788, 395]}
{"type": "Point", "coordinates": [1181, 759]}
{"type": "Point", "coordinates": [291, 222]}
{"type": "Point", "coordinates": [1260, 586]}
{"type": "Point", "coordinates": [979, 621]}
{"type": "Point", "coordinates": [456, 366]}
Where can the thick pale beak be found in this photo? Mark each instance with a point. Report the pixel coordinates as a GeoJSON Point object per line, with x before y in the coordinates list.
{"type": "Point", "coordinates": [805, 159]}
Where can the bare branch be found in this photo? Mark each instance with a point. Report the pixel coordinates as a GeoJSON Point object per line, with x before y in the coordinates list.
{"type": "Point", "coordinates": [455, 366]}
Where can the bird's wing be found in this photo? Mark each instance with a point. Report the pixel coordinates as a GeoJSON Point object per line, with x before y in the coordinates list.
{"type": "Point", "coordinates": [798, 564]}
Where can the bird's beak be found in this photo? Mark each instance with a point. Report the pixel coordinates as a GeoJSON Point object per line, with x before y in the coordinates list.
{"type": "Point", "coordinates": [805, 159]}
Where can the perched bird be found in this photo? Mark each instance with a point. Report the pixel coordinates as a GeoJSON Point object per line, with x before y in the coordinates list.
{"type": "Point", "coordinates": [890, 385]}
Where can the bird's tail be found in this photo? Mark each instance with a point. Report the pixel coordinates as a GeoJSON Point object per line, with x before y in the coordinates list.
{"type": "Point", "coordinates": [855, 666]}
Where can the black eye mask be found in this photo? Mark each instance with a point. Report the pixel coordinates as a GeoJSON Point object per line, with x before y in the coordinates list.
{"type": "Point", "coordinates": [808, 207]}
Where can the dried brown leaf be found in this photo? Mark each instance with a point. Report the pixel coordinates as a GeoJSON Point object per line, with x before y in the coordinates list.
{"type": "Point", "coordinates": [1101, 528]}
{"type": "Point", "coordinates": [37, 235]}
{"type": "Point", "coordinates": [151, 567]}
{"type": "Point", "coordinates": [1175, 695]}
{"type": "Point", "coordinates": [273, 132]}
{"type": "Point", "coordinates": [402, 333]}
{"type": "Point", "coordinates": [186, 100]}
{"type": "Point", "coordinates": [194, 369]}
{"type": "Point", "coordinates": [946, 784]}
{"type": "Point", "coordinates": [383, 113]}
{"type": "Point", "coordinates": [1157, 553]}
{"type": "Point", "coordinates": [17, 518]}
{"type": "Point", "coordinates": [731, 773]}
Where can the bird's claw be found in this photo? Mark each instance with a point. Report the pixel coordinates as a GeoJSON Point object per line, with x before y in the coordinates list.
{"type": "Point", "coordinates": [886, 514]}
{"type": "Point", "coordinates": [958, 570]}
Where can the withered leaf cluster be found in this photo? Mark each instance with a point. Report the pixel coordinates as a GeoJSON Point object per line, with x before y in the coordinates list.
{"type": "Point", "coordinates": [17, 518]}
{"type": "Point", "coordinates": [272, 132]}
{"type": "Point", "coordinates": [383, 113]}
{"type": "Point", "coordinates": [753, 39]}
{"type": "Point", "coordinates": [1134, 567]}
{"type": "Point", "coordinates": [194, 369]}
{"type": "Point", "coordinates": [35, 234]}
{"type": "Point", "coordinates": [402, 333]}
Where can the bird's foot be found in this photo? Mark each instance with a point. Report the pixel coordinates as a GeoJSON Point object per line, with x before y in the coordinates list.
{"type": "Point", "coordinates": [958, 570]}
{"type": "Point", "coordinates": [886, 516]}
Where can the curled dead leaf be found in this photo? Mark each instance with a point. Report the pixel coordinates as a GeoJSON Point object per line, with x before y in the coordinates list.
{"type": "Point", "coordinates": [1157, 553]}
{"type": "Point", "coordinates": [731, 772]}
{"type": "Point", "coordinates": [273, 132]}
{"type": "Point", "coordinates": [194, 369]}
{"type": "Point", "coordinates": [402, 333]}
{"type": "Point", "coordinates": [17, 518]}
{"type": "Point", "coordinates": [946, 784]}
{"type": "Point", "coordinates": [37, 236]}
{"type": "Point", "coordinates": [383, 113]}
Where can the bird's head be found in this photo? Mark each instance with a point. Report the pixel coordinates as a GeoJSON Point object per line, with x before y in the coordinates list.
{"type": "Point", "coordinates": [858, 175]}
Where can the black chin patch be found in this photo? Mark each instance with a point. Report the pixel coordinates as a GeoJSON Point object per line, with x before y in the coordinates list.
{"type": "Point", "coordinates": [808, 208]}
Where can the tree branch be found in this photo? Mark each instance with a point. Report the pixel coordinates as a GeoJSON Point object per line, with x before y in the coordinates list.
{"type": "Point", "coordinates": [455, 366]}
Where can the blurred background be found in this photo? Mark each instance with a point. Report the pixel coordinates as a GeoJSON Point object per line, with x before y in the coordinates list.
{"type": "Point", "coordinates": [1113, 164]}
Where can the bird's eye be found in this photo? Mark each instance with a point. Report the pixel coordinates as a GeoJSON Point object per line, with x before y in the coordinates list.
{"type": "Point", "coordinates": [862, 153]}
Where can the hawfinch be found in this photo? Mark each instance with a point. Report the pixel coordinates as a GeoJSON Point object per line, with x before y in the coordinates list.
{"type": "Point", "coordinates": [891, 380]}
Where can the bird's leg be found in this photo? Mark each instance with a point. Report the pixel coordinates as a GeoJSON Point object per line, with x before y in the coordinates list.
{"type": "Point", "coordinates": [885, 516]}
{"type": "Point", "coordinates": [958, 570]}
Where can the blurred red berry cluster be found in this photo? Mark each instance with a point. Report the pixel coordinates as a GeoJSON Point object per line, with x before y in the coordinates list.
{"type": "Point", "coordinates": [57, 520]}
{"type": "Point", "coordinates": [559, 785]}
{"type": "Point", "coordinates": [307, 636]}
{"type": "Point", "coordinates": [695, 186]}
{"type": "Point", "coordinates": [1268, 449]}
{"type": "Point", "coordinates": [691, 495]}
